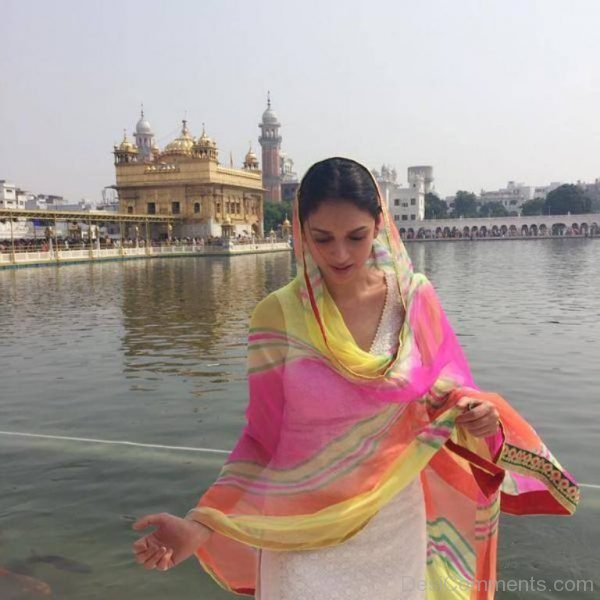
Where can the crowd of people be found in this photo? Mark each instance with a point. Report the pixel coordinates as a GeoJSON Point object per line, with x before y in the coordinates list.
{"type": "Point", "coordinates": [64, 244]}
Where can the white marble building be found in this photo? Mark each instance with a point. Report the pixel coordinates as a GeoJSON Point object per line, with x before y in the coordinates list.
{"type": "Point", "coordinates": [405, 204]}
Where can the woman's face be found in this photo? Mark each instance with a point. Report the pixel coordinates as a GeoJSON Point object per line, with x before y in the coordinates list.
{"type": "Point", "coordinates": [340, 238]}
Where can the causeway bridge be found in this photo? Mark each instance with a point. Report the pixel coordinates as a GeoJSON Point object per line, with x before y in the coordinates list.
{"type": "Point", "coordinates": [584, 225]}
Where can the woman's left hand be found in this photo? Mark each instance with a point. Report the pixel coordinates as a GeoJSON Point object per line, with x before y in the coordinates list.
{"type": "Point", "coordinates": [480, 417]}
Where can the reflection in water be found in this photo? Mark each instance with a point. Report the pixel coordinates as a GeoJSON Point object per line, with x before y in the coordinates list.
{"type": "Point", "coordinates": [187, 318]}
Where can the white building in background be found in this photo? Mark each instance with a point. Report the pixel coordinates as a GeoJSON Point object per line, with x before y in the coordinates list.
{"type": "Point", "coordinates": [591, 190]}
{"type": "Point", "coordinates": [542, 191]}
{"type": "Point", "coordinates": [511, 197]}
{"type": "Point", "coordinates": [45, 202]}
{"type": "Point", "coordinates": [405, 204]}
{"type": "Point", "coordinates": [11, 197]}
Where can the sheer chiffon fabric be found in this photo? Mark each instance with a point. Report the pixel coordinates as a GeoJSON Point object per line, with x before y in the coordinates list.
{"type": "Point", "coordinates": [386, 560]}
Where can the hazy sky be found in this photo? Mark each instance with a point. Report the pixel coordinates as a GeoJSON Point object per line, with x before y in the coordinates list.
{"type": "Point", "coordinates": [485, 91]}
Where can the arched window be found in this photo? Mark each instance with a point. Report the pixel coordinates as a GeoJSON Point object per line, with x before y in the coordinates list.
{"type": "Point", "coordinates": [197, 207]}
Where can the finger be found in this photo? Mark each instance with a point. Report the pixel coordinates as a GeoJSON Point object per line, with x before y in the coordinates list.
{"type": "Point", "coordinates": [482, 431]}
{"type": "Point", "coordinates": [148, 520]}
{"type": "Point", "coordinates": [142, 557]}
{"type": "Point", "coordinates": [166, 561]}
{"type": "Point", "coordinates": [143, 544]}
{"type": "Point", "coordinates": [464, 402]}
{"type": "Point", "coordinates": [151, 562]}
{"type": "Point", "coordinates": [472, 415]}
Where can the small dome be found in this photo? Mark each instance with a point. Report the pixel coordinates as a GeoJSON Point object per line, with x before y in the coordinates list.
{"type": "Point", "coordinates": [143, 127]}
{"type": "Point", "coordinates": [287, 223]}
{"type": "Point", "coordinates": [251, 157]}
{"type": "Point", "coordinates": [126, 145]}
{"type": "Point", "coordinates": [205, 147]}
{"type": "Point", "coordinates": [269, 117]}
{"type": "Point", "coordinates": [251, 161]}
{"type": "Point", "coordinates": [204, 140]}
{"type": "Point", "coordinates": [181, 145]}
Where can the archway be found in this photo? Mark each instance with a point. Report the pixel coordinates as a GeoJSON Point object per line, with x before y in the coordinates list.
{"type": "Point", "coordinates": [559, 229]}
{"type": "Point", "coordinates": [513, 231]}
{"type": "Point", "coordinates": [525, 231]}
{"type": "Point", "coordinates": [543, 230]}
{"type": "Point", "coordinates": [483, 231]}
{"type": "Point", "coordinates": [533, 230]}
{"type": "Point", "coordinates": [439, 232]}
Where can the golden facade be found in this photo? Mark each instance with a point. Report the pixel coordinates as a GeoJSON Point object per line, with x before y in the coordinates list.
{"type": "Point", "coordinates": [186, 181]}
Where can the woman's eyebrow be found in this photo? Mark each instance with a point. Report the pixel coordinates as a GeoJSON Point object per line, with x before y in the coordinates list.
{"type": "Point", "coordinates": [350, 232]}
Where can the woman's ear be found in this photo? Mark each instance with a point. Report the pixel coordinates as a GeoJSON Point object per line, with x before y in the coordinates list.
{"type": "Point", "coordinates": [378, 223]}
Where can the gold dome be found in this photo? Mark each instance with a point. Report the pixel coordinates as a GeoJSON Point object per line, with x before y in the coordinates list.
{"type": "Point", "coordinates": [204, 141]}
{"type": "Point", "coordinates": [127, 146]}
{"type": "Point", "coordinates": [183, 144]}
{"type": "Point", "coordinates": [287, 223]}
{"type": "Point", "coordinates": [205, 148]}
{"type": "Point", "coordinates": [251, 161]}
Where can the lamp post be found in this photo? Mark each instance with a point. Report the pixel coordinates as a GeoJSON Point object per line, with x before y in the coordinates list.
{"type": "Point", "coordinates": [12, 242]}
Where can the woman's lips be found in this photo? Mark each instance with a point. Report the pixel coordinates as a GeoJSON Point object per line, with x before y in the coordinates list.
{"type": "Point", "coordinates": [341, 269]}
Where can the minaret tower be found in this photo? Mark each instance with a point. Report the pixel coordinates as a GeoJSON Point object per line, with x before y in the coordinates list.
{"type": "Point", "coordinates": [144, 138]}
{"type": "Point", "coordinates": [270, 141]}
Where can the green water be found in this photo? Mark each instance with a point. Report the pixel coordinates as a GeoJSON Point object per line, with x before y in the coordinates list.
{"type": "Point", "coordinates": [153, 352]}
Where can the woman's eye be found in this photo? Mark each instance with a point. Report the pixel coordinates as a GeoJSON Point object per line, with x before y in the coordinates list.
{"type": "Point", "coordinates": [353, 239]}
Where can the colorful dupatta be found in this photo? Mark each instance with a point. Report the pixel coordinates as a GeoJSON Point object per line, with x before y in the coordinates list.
{"type": "Point", "coordinates": [333, 433]}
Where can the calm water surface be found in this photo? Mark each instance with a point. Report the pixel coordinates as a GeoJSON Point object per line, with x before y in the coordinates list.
{"type": "Point", "coordinates": [154, 352]}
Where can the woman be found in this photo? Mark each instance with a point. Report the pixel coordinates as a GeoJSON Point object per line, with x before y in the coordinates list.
{"type": "Point", "coordinates": [370, 465]}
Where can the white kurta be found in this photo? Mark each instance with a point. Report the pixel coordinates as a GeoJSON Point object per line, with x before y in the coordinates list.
{"type": "Point", "coordinates": [384, 561]}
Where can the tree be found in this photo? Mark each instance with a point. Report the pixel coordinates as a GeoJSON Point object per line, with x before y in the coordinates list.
{"type": "Point", "coordinates": [532, 208]}
{"type": "Point", "coordinates": [493, 209]}
{"type": "Point", "coordinates": [275, 213]}
{"type": "Point", "coordinates": [435, 208]}
{"type": "Point", "coordinates": [565, 199]}
{"type": "Point", "coordinates": [465, 204]}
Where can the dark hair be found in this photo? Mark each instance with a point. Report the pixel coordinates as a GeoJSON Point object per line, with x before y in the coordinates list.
{"type": "Point", "coordinates": [337, 179]}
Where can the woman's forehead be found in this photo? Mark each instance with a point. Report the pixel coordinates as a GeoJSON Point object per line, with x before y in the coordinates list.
{"type": "Point", "coordinates": [339, 211]}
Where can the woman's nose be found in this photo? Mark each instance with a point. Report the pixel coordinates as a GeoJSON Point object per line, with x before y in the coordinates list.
{"type": "Point", "coordinates": [340, 253]}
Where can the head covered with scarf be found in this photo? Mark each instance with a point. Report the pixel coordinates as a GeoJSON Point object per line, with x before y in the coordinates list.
{"type": "Point", "coordinates": [334, 432]}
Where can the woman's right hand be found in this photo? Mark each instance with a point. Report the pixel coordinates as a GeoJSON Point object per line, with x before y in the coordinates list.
{"type": "Point", "coordinates": [174, 540]}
